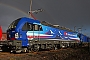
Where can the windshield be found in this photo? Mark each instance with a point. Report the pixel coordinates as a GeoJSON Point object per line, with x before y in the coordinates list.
{"type": "Point", "coordinates": [14, 24]}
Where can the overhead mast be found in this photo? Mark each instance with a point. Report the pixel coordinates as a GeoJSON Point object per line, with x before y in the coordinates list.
{"type": "Point", "coordinates": [30, 7]}
{"type": "Point", "coordinates": [35, 11]}
{"type": "Point", "coordinates": [30, 12]}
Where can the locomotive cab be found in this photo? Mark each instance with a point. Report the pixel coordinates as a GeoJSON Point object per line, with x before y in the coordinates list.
{"type": "Point", "coordinates": [11, 30]}
{"type": "Point", "coordinates": [23, 29]}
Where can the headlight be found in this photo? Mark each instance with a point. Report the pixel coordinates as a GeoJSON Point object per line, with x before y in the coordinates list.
{"type": "Point", "coordinates": [16, 35]}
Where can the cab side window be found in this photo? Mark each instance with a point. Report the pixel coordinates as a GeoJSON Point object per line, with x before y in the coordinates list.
{"type": "Point", "coordinates": [37, 27]}
{"type": "Point", "coordinates": [31, 27]}
{"type": "Point", "coordinates": [27, 26]}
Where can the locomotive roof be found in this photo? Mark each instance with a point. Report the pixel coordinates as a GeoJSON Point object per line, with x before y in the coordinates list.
{"type": "Point", "coordinates": [45, 23]}
{"type": "Point", "coordinates": [59, 27]}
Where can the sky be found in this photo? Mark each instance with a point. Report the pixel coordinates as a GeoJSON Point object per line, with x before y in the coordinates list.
{"type": "Point", "coordinates": [67, 13]}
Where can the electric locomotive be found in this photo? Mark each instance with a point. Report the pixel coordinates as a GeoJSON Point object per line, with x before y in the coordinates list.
{"type": "Point", "coordinates": [26, 34]}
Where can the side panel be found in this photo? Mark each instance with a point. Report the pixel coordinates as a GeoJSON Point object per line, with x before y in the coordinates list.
{"type": "Point", "coordinates": [50, 33]}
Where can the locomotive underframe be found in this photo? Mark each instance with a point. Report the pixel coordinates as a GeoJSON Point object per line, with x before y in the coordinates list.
{"type": "Point", "coordinates": [35, 45]}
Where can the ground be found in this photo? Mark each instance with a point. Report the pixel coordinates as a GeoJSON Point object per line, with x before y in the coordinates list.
{"type": "Point", "coordinates": [81, 53]}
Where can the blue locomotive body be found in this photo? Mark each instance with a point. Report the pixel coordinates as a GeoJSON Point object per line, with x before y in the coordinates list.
{"type": "Point", "coordinates": [26, 29]}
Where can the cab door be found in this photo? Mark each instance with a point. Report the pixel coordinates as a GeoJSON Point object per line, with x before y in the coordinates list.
{"type": "Point", "coordinates": [23, 33]}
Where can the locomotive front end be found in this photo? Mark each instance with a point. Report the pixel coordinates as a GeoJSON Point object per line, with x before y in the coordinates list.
{"type": "Point", "coordinates": [11, 33]}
